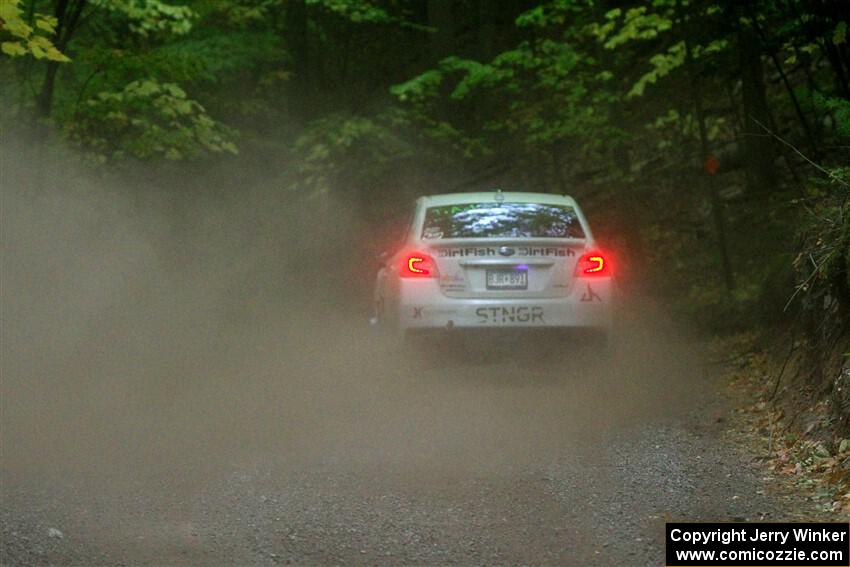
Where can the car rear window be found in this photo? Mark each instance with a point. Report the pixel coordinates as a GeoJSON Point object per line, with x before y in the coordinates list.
{"type": "Point", "coordinates": [501, 220]}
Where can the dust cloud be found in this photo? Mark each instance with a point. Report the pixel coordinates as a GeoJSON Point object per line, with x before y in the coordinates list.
{"type": "Point", "coordinates": [171, 335]}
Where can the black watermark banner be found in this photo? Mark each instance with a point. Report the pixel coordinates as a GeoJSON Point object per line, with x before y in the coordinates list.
{"type": "Point", "coordinates": [757, 544]}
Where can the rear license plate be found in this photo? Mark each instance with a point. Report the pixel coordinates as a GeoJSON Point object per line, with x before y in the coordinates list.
{"type": "Point", "coordinates": [507, 279]}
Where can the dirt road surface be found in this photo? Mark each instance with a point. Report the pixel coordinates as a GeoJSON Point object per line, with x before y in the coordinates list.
{"type": "Point", "coordinates": [335, 451]}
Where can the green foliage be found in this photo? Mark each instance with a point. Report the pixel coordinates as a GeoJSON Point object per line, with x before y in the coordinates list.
{"type": "Point", "coordinates": [147, 119]}
{"type": "Point", "coordinates": [664, 27]}
{"type": "Point", "coordinates": [333, 142]}
{"type": "Point", "coordinates": [153, 17]}
{"type": "Point", "coordinates": [554, 96]}
{"type": "Point", "coordinates": [593, 97]}
{"type": "Point", "coordinates": [357, 11]}
{"type": "Point", "coordinates": [554, 13]}
{"type": "Point", "coordinates": [635, 24]}
{"type": "Point", "coordinates": [474, 75]}
{"type": "Point", "coordinates": [240, 14]}
{"type": "Point", "coordinates": [714, 308]}
{"type": "Point", "coordinates": [838, 108]}
{"type": "Point", "coordinates": [419, 89]}
{"type": "Point", "coordinates": [839, 35]}
{"type": "Point", "coordinates": [823, 263]}
{"type": "Point", "coordinates": [18, 38]}
{"type": "Point", "coordinates": [663, 64]}
{"type": "Point", "coordinates": [219, 57]}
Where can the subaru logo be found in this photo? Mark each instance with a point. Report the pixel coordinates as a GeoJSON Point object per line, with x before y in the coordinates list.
{"type": "Point", "coordinates": [507, 251]}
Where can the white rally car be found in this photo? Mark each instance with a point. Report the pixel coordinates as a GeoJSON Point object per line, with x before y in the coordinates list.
{"type": "Point", "coordinates": [495, 260]}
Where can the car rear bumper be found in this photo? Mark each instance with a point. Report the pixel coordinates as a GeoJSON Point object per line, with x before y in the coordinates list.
{"type": "Point", "coordinates": [589, 305]}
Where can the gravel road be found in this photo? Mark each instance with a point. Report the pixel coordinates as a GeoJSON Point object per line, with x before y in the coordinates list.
{"type": "Point", "coordinates": [321, 447]}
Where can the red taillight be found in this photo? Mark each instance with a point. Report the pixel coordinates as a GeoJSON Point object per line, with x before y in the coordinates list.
{"type": "Point", "coordinates": [593, 263]}
{"type": "Point", "coordinates": [417, 265]}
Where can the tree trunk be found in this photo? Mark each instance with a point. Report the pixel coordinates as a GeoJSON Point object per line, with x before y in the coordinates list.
{"type": "Point", "coordinates": [801, 117]}
{"type": "Point", "coordinates": [440, 18]}
{"type": "Point", "coordinates": [834, 57]}
{"type": "Point", "coordinates": [836, 11]}
{"type": "Point", "coordinates": [299, 48]}
{"type": "Point", "coordinates": [67, 16]}
{"type": "Point", "coordinates": [758, 149]}
{"type": "Point", "coordinates": [45, 97]}
{"type": "Point", "coordinates": [695, 76]}
{"type": "Point", "coordinates": [486, 29]}
{"type": "Point", "coordinates": [714, 192]}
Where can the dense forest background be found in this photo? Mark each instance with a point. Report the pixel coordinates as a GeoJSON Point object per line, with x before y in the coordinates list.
{"type": "Point", "coordinates": [709, 140]}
